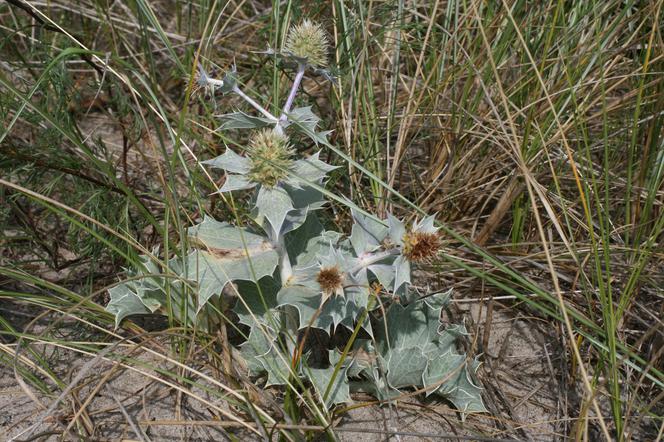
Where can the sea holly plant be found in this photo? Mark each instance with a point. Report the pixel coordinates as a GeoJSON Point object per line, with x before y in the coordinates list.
{"type": "Point", "coordinates": [289, 275]}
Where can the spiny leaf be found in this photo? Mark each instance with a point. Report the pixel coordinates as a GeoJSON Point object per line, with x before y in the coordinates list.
{"type": "Point", "coordinates": [125, 301]}
{"type": "Point", "coordinates": [229, 81]}
{"type": "Point", "coordinates": [384, 273]}
{"type": "Point", "coordinates": [230, 162]}
{"type": "Point", "coordinates": [230, 253]}
{"type": "Point", "coordinates": [236, 182]}
{"type": "Point", "coordinates": [306, 121]}
{"type": "Point", "coordinates": [405, 367]}
{"type": "Point", "coordinates": [298, 237]}
{"type": "Point", "coordinates": [307, 301]}
{"type": "Point", "coordinates": [240, 120]}
{"type": "Point", "coordinates": [457, 385]}
{"type": "Point", "coordinates": [309, 170]}
{"type": "Point", "coordinates": [276, 363]}
{"type": "Point", "coordinates": [366, 234]}
{"type": "Point", "coordinates": [146, 291]}
{"type": "Point", "coordinates": [375, 384]}
{"type": "Point", "coordinates": [401, 272]}
{"type": "Point", "coordinates": [274, 204]}
{"type": "Point", "coordinates": [414, 325]}
{"type": "Point", "coordinates": [339, 392]}
{"type": "Point", "coordinates": [258, 300]}
{"type": "Point", "coordinates": [315, 246]}
{"type": "Point", "coordinates": [256, 345]}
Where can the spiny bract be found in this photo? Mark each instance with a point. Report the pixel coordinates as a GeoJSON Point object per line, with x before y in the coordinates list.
{"type": "Point", "coordinates": [307, 40]}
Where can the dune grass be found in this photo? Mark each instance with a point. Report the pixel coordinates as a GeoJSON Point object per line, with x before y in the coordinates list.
{"type": "Point", "coordinates": [533, 129]}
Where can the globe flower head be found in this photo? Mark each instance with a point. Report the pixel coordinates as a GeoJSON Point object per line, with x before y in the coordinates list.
{"type": "Point", "coordinates": [269, 166]}
{"type": "Point", "coordinates": [271, 158]}
{"type": "Point", "coordinates": [307, 41]}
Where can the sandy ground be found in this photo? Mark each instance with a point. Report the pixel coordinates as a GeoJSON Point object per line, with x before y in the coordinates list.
{"type": "Point", "coordinates": [521, 374]}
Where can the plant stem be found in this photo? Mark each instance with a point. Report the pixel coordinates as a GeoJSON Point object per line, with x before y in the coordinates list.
{"type": "Point", "coordinates": [293, 92]}
{"type": "Point", "coordinates": [251, 101]}
{"type": "Point", "coordinates": [371, 259]}
{"type": "Point", "coordinates": [285, 266]}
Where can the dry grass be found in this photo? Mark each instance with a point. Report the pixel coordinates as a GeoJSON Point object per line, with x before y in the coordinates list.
{"type": "Point", "coordinates": [533, 130]}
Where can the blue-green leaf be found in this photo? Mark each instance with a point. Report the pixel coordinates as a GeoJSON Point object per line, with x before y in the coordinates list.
{"type": "Point", "coordinates": [305, 121]}
{"type": "Point", "coordinates": [125, 302]}
{"type": "Point", "coordinates": [274, 204]}
{"type": "Point", "coordinates": [228, 253]}
{"type": "Point", "coordinates": [401, 272]}
{"type": "Point", "coordinates": [240, 120]}
{"type": "Point", "coordinates": [384, 273]}
{"type": "Point", "coordinates": [236, 182]}
{"type": "Point", "coordinates": [366, 234]}
{"type": "Point", "coordinates": [305, 299]}
{"type": "Point", "coordinates": [309, 171]}
{"type": "Point", "coordinates": [405, 367]}
{"type": "Point", "coordinates": [257, 300]}
{"type": "Point", "coordinates": [230, 162]}
{"type": "Point", "coordinates": [276, 363]}
{"type": "Point", "coordinates": [397, 229]}
{"type": "Point", "coordinates": [298, 237]}
{"type": "Point", "coordinates": [229, 81]}
{"type": "Point", "coordinates": [256, 345]}
{"type": "Point", "coordinates": [451, 376]}
{"type": "Point", "coordinates": [339, 392]}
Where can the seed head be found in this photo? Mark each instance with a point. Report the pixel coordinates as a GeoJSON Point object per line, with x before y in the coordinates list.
{"type": "Point", "coordinates": [201, 82]}
{"type": "Point", "coordinates": [307, 40]}
{"type": "Point", "coordinates": [330, 280]}
{"type": "Point", "coordinates": [270, 158]}
{"type": "Point", "coordinates": [420, 246]}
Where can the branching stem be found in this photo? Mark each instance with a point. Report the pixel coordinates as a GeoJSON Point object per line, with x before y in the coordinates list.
{"type": "Point", "coordinates": [253, 103]}
{"type": "Point", "coordinates": [373, 258]}
{"type": "Point", "coordinates": [285, 267]}
{"type": "Point", "coordinates": [293, 92]}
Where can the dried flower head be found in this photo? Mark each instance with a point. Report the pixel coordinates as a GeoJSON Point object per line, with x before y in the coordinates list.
{"type": "Point", "coordinates": [330, 280]}
{"type": "Point", "coordinates": [270, 158]}
{"type": "Point", "coordinates": [308, 40]}
{"type": "Point", "coordinates": [419, 246]}
{"type": "Point", "coordinates": [201, 81]}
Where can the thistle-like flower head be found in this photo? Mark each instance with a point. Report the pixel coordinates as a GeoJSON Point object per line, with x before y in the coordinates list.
{"type": "Point", "coordinates": [420, 243]}
{"type": "Point", "coordinates": [332, 271]}
{"type": "Point", "coordinates": [420, 246]}
{"type": "Point", "coordinates": [331, 280]}
{"type": "Point", "coordinates": [271, 158]}
{"type": "Point", "coordinates": [308, 41]}
{"type": "Point", "coordinates": [280, 179]}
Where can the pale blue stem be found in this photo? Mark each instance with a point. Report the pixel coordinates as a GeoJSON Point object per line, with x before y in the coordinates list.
{"type": "Point", "coordinates": [285, 267]}
{"type": "Point", "coordinates": [255, 105]}
{"type": "Point", "coordinates": [293, 91]}
{"type": "Point", "coordinates": [373, 258]}
{"type": "Point", "coordinates": [291, 98]}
